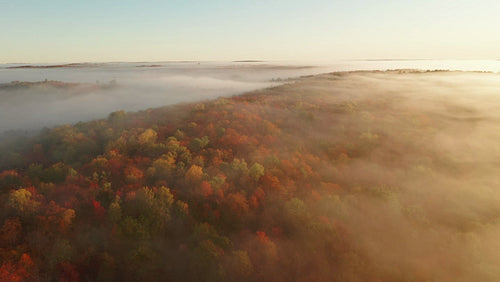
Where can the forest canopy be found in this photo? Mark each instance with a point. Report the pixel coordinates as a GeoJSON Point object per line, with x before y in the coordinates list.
{"type": "Point", "coordinates": [362, 176]}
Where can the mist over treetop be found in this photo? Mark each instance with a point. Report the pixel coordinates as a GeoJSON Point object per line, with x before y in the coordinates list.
{"type": "Point", "coordinates": [355, 176]}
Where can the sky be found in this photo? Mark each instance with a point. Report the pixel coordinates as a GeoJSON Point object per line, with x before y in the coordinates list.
{"type": "Point", "coordinates": [58, 31]}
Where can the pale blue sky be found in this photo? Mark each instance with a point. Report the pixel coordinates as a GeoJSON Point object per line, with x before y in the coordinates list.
{"type": "Point", "coordinates": [131, 30]}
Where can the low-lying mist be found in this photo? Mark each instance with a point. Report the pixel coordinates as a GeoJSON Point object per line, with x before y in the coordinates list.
{"type": "Point", "coordinates": [348, 176]}
{"type": "Point", "coordinates": [135, 87]}
{"type": "Point", "coordinates": [418, 153]}
{"type": "Point", "coordinates": [143, 85]}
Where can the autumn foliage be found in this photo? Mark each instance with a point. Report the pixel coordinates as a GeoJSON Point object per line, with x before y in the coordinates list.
{"type": "Point", "coordinates": [250, 188]}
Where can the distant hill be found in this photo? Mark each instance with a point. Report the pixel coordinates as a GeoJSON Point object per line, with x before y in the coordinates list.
{"type": "Point", "coordinates": [52, 84]}
{"type": "Point", "coordinates": [149, 66]}
{"type": "Point", "coordinates": [72, 65]}
{"type": "Point", "coordinates": [249, 61]}
{"type": "Point", "coordinates": [26, 84]}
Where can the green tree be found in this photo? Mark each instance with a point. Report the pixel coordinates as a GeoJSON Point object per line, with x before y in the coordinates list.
{"type": "Point", "coordinates": [198, 144]}
{"type": "Point", "coordinates": [256, 171]}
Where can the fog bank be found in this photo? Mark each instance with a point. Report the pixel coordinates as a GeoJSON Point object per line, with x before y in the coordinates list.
{"type": "Point", "coordinates": [144, 85]}
{"type": "Point", "coordinates": [135, 87]}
